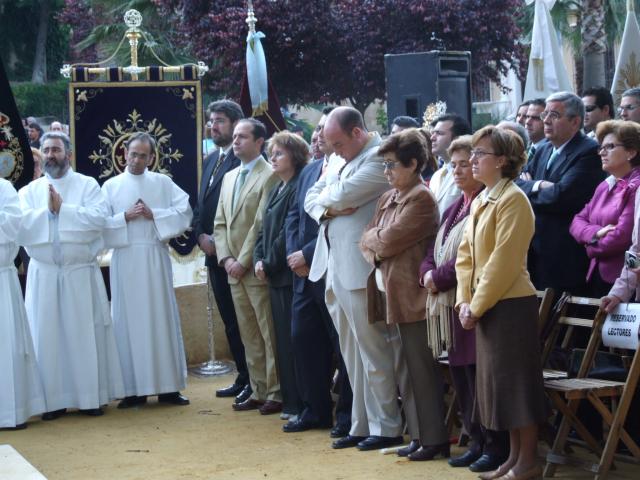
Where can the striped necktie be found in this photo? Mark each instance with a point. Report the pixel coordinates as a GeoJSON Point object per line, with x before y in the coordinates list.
{"type": "Point", "coordinates": [532, 152]}
{"type": "Point", "coordinates": [219, 163]}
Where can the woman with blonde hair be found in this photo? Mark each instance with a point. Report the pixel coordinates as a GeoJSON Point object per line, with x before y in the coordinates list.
{"type": "Point", "coordinates": [496, 297]}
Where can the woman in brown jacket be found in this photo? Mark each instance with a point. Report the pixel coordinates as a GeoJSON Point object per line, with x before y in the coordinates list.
{"type": "Point", "coordinates": [496, 297]}
{"type": "Point", "coordinates": [395, 241]}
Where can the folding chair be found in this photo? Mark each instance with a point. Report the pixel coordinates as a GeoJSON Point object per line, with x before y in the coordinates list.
{"type": "Point", "coordinates": [566, 395]}
{"type": "Point", "coordinates": [562, 317]}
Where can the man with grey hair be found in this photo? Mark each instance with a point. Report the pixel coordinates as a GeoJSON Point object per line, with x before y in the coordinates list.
{"type": "Point", "coordinates": [64, 213]}
{"type": "Point", "coordinates": [629, 108]}
{"type": "Point", "coordinates": [146, 210]}
{"type": "Point", "coordinates": [559, 180]}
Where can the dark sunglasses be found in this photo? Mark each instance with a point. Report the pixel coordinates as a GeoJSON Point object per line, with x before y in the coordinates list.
{"type": "Point", "coordinates": [590, 108]}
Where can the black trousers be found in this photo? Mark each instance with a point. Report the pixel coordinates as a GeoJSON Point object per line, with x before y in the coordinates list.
{"type": "Point", "coordinates": [224, 301]}
{"type": "Point", "coordinates": [315, 342]}
{"type": "Point", "coordinates": [281, 299]}
{"type": "Point", "coordinates": [489, 442]}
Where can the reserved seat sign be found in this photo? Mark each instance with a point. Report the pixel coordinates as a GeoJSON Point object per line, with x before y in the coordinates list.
{"type": "Point", "coordinates": [621, 327]}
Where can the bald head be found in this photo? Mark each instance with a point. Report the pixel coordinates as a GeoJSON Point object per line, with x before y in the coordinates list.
{"type": "Point", "coordinates": [345, 132]}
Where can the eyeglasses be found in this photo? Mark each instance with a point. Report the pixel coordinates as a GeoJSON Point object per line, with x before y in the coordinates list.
{"type": "Point", "coordinates": [552, 116]}
{"type": "Point", "coordinates": [628, 108]}
{"type": "Point", "coordinates": [608, 147]}
{"type": "Point", "coordinates": [390, 165]}
{"type": "Point", "coordinates": [480, 153]}
{"type": "Point", "coordinates": [590, 108]}
{"type": "Point", "coordinates": [141, 156]}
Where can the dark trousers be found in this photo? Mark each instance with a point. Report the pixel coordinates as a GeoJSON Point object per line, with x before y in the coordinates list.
{"type": "Point", "coordinates": [281, 298]}
{"type": "Point", "coordinates": [224, 301]}
{"type": "Point", "coordinates": [489, 442]}
{"type": "Point", "coordinates": [315, 341]}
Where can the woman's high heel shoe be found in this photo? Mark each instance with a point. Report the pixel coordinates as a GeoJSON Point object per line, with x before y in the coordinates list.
{"type": "Point", "coordinates": [534, 473]}
{"type": "Point", "coordinates": [499, 472]}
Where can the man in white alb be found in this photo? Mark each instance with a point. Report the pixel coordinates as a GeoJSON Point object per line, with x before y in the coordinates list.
{"type": "Point", "coordinates": [146, 210]}
{"type": "Point", "coordinates": [21, 394]}
{"type": "Point", "coordinates": [66, 301]}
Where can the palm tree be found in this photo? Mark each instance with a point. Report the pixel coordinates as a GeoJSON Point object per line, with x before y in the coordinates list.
{"type": "Point", "coordinates": [594, 44]}
{"type": "Point", "coordinates": [601, 25]}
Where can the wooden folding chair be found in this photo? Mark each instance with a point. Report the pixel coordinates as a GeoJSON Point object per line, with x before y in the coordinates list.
{"type": "Point", "coordinates": [562, 318]}
{"type": "Point", "coordinates": [566, 395]}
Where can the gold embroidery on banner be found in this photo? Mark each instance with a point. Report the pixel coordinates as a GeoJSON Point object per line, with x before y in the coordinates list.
{"type": "Point", "coordinates": [11, 157]}
{"type": "Point", "coordinates": [188, 95]}
{"type": "Point", "coordinates": [82, 98]}
{"type": "Point", "coordinates": [110, 155]}
{"type": "Point", "coordinates": [629, 76]}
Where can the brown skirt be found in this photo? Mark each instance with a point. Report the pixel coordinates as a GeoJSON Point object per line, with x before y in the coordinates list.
{"type": "Point", "coordinates": [509, 384]}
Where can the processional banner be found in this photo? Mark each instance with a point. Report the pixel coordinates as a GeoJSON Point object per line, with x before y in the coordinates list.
{"type": "Point", "coordinates": [16, 160]}
{"type": "Point", "coordinates": [103, 115]}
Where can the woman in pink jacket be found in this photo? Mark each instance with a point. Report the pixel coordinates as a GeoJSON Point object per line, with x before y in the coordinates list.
{"type": "Point", "coordinates": [605, 224]}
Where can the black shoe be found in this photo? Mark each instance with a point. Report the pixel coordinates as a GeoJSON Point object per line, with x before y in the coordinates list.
{"type": "Point", "coordinates": [92, 412]}
{"type": "Point", "coordinates": [347, 442]}
{"type": "Point", "coordinates": [375, 442]}
{"type": "Point", "coordinates": [429, 453]}
{"type": "Point", "coordinates": [173, 398]}
{"type": "Point", "coordinates": [302, 426]}
{"type": "Point", "coordinates": [231, 390]}
{"type": "Point", "coordinates": [20, 426]}
{"type": "Point", "coordinates": [340, 431]}
{"type": "Point", "coordinates": [466, 459]}
{"type": "Point", "coordinates": [487, 463]}
{"type": "Point", "coordinates": [244, 395]}
{"type": "Point", "coordinates": [133, 401]}
{"type": "Point", "coordinates": [412, 447]}
{"type": "Point", "coordinates": [53, 415]}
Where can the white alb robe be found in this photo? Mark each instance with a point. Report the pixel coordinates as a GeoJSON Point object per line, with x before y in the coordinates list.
{"type": "Point", "coordinates": [143, 303]}
{"type": "Point", "coordinates": [21, 394]}
{"type": "Point", "coordinates": [66, 300]}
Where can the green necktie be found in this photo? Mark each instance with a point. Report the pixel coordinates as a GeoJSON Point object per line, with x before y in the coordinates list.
{"type": "Point", "coordinates": [553, 156]}
{"type": "Point", "coordinates": [242, 175]}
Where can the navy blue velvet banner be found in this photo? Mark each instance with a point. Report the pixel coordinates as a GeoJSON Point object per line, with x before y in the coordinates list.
{"type": "Point", "coordinates": [104, 114]}
{"type": "Point", "coordinates": [16, 160]}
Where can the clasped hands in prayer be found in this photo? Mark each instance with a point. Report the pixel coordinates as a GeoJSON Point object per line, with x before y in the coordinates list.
{"type": "Point", "coordinates": [55, 200]}
{"type": "Point", "coordinates": [139, 209]}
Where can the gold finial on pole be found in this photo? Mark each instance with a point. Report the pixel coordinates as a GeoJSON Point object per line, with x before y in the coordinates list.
{"type": "Point", "coordinates": [251, 18]}
{"type": "Point", "coordinates": [133, 20]}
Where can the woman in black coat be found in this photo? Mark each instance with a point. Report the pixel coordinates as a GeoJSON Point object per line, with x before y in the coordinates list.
{"type": "Point", "coordinates": [288, 154]}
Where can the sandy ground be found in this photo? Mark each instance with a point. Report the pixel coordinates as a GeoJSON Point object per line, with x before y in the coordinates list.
{"type": "Point", "coordinates": [207, 440]}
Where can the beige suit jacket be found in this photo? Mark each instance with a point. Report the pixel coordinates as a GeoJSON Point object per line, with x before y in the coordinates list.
{"type": "Point", "coordinates": [235, 232]}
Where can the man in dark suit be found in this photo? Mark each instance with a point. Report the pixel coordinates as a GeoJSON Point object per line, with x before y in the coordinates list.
{"type": "Point", "coordinates": [224, 115]}
{"type": "Point", "coordinates": [559, 181]}
{"type": "Point", "coordinates": [314, 337]}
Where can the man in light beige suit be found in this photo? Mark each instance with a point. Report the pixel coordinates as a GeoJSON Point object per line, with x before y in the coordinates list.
{"type": "Point", "coordinates": [344, 201]}
{"type": "Point", "coordinates": [238, 221]}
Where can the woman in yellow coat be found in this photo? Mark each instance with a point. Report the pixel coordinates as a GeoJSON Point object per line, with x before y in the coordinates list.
{"type": "Point", "coordinates": [496, 297]}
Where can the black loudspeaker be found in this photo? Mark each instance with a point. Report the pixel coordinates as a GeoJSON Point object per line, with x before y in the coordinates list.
{"type": "Point", "coordinates": [415, 80]}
